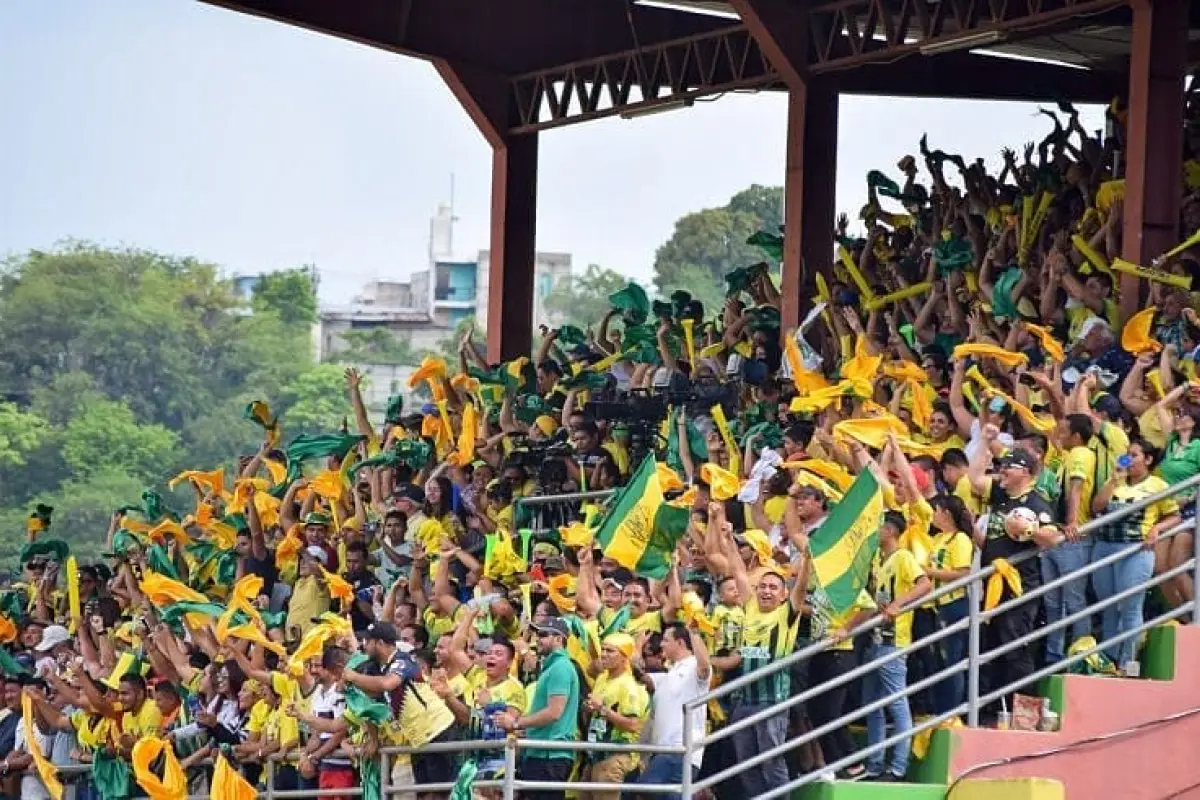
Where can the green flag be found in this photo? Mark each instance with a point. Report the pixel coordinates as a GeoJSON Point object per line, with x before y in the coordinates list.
{"type": "Point", "coordinates": [843, 547]}
{"type": "Point", "coordinates": [640, 530]}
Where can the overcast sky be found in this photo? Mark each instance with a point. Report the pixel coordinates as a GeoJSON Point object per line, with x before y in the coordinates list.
{"type": "Point", "coordinates": [181, 127]}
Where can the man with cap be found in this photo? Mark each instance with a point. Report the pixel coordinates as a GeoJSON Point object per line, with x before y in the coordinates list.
{"type": "Point", "coordinates": [553, 714]}
{"type": "Point", "coordinates": [617, 708]}
{"type": "Point", "coordinates": [409, 500]}
{"type": "Point", "coordinates": [56, 642]}
{"type": "Point", "coordinates": [310, 596]}
{"type": "Point", "coordinates": [316, 534]}
{"type": "Point", "coordinates": [1018, 520]}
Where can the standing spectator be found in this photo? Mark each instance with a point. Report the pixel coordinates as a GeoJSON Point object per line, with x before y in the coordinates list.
{"type": "Point", "coordinates": [617, 709]}
{"type": "Point", "coordinates": [553, 713]}
{"type": "Point", "coordinates": [685, 680]}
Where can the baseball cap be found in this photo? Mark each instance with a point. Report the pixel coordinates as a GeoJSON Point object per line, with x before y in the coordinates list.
{"type": "Point", "coordinates": [316, 518]}
{"type": "Point", "coordinates": [408, 491]}
{"type": "Point", "coordinates": [1019, 458]}
{"type": "Point", "coordinates": [382, 631]}
{"type": "Point", "coordinates": [554, 564]}
{"type": "Point", "coordinates": [52, 637]}
{"type": "Point", "coordinates": [554, 625]}
{"type": "Point", "coordinates": [318, 553]}
{"type": "Point", "coordinates": [482, 646]}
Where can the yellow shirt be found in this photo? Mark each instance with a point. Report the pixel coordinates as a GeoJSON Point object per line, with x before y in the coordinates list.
{"type": "Point", "coordinates": [284, 729]}
{"type": "Point", "coordinates": [1135, 527]}
{"type": "Point", "coordinates": [951, 551]}
{"type": "Point", "coordinates": [893, 577]}
{"type": "Point", "coordinates": [825, 622]}
{"type": "Point", "coordinates": [1150, 428]}
{"type": "Point", "coordinates": [728, 622]}
{"type": "Point", "coordinates": [260, 715]}
{"type": "Point", "coordinates": [146, 722]}
{"type": "Point", "coordinates": [964, 492]}
{"type": "Point", "coordinates": [915, 538]}
{"type": "Point", "coordinates": [619, 455]}
{"type": "Point", "coordinates": [1080, 464]}
{"type": "Point", "coordinates": [509, 691]}
{"type": "Point", "coordinates": [309, 599]}
{"type": "Point", "coordinates": [627, 697]}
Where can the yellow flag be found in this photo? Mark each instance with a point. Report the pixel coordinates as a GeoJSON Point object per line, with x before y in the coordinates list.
{"type": "Point", "coordinates": [45, 769]}
{"type": "Point", "coordinates": [173, 784]}
{"type": "Point", "coordinates": [73, 604]}
{"type": "Point", "coordinates": [227, 784]}
{"type": "Point", "coordinates": [161, 590]}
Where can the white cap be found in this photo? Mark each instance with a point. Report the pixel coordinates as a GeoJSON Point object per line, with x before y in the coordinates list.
{"type": "Point", "coordinates": [318, 553]}
{"type": "Point", "coordinates": [1089, 324]}
{"type": "Point", "coordinates": [52, 637]}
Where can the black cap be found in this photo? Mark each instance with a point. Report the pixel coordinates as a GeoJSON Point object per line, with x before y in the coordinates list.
{"type": "Point", "coordinates": [408, 491]}
{"type": "Point", "coordinates": [383, 631]}
{"type": "Point", "coordinates": [554, 625]}
{"type": "Point", "coordinates": [554, 564]}
{"type": "Point", "coordinates": [1019, 458]}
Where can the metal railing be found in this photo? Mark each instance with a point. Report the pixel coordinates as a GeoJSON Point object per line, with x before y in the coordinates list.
{"type": "Point", "coordinates": [509, 783]}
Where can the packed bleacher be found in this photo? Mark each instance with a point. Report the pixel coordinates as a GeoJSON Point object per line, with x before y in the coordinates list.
{"type": "Point", "coordinates": [570, 546]}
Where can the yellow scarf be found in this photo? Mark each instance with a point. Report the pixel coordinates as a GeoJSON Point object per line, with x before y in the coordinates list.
{"type": "Point", "coordinates": [1005, 573]}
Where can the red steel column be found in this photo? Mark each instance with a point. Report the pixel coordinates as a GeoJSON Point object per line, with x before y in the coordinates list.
{"type": "Point", "coordinates": [1154, 137]}
{"type": "Point", "coordinates": [513, 248]}
{"type": "Point", "coordinates": [809, 194]}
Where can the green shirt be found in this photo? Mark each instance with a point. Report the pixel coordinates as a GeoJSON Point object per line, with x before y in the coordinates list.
{"type": "Point", "coordinates": [558, 679]}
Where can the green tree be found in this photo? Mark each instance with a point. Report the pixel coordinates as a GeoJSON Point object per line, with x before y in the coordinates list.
{"type": "Point", "coordinates": [290, 294]}
{"type": "Point", "coordinates": [316, 401]}
{"type": "Point", "coordinates": [21, 433]}
{"type": "Point", "coordinates": [582, 300]}
{"type": "Point", "coordinates": [714, 239]}
{"type": "Point", "coordinates": [105, 437]}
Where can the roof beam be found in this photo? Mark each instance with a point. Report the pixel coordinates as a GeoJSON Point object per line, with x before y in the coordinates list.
{"type": "Point", "coordinates": [505, 36]}
{"type": "Point", "coordinates": [781, 29]}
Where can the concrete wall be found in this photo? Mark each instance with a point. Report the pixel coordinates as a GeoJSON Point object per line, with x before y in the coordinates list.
{"type": "Point", "coordinates": [1158, 761]}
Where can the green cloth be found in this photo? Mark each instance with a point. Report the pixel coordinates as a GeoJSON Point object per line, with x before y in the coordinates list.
{"type": "Point", "coordinates": [57, 549]}
{"type": "Point", "coordinates": [172, 614]}
{"type": "Point", "coordinates": [368, 774]}
{"type": "Point", "coordinates": [259, 413]}
{"type": "Point", "coordinates": [530, 407]}
{"type": "Point", "coordinates": [1179, 462]}
{"type": "Point", "coordinates": [769, 434]}
{"type": "Point", "coordinates": [306, 447]}
{"type": "Point", "coordinates": [953, 254]}
{"type": "Point", "coordinates": [632, 302]}
{"type": "Point", "coordinates": [618, 621]}
{"type": "Point", "coordinates": [9, 665]}
{"type": "Point", "coordinates": [112, 777]}
{"type": "Point", "coordinates": [1004, 305]}
{"type": "Point", "coordinates": [585, 379]}
{"type": "Point", "coordinates": [571, 336]}
{"type": "Point", "coordinates": [640, 343]}
{"type": "Point", "coordinates": [770, 243]}
{"type": "Point", "coordinates": [13, 605]}
{"type": "Point", "coordinates": [739, 280]}
{"type": "Point", "coordinates": [412, 452]}
{"type": "Point", "coordinates": [557, 679]}
{"type": "Point", "coordinates": [395, 410]}
{"type": "Point", "coordinates": [159, 561]}
{"type": "Point", "coordinates": [152, 509]}
{"type": "Point", "coordinates": [763, 318]}
{"type": "Point", "coordinates": [464, 784]}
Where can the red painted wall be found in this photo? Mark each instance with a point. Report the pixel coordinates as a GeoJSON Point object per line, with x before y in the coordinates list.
{"type": "Point", "coordinates": [1152, 764]}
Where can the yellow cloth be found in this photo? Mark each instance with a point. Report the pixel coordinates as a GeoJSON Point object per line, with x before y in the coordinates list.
{"type": "Point", "coordinates": [161, 590]}
{"type": "Point", "coordinates": [173, 784]}
{"type": "Point", "coordinates": [1052, 346]}
{"type": "Point", "coordinates": [8, 631]}
{"type": "Point", "coordinates": [1135, 336]}
{"type": "Point", "coordinates": [723, 484]}
{"type": "Point", "coordinates": [558, 588]}
{"type": "Point", "coordinates": [873, 431]}
{"type": "Point", "coordinates": [45, 770]}
{"type": "Point", "coordinates": [339, 588]}
{"type": "Point", "coordinates": [227, 784]}
{"type": "Point", "coordinates": [998, 354]}
{"type": "Point", "coordinates": [1005, 574]}
{"type": "Point", "coordinates": [915, 537]}
{"type": "Point", "coordinates": [147, 721]}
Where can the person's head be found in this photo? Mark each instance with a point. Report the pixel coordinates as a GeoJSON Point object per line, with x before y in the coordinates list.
{"type": "Point", "coordinates": [728, 592]}
{"type": "Point", "coordinates": [548, 374]}
{"type": "Point", "coordinates": [771, 590]}
{"type": "Point", "coordinates": [950, 513]}
{"type": "Point", "coordinates": [499, 658]}
{"type": "Point", "coordinates": [56, 642]}
{"type": "Point", "coordinates": [441, 651]}
{"type": "Point", "coordinates": [437, 497]}
{"type": "Point", "coordinates": [1143, 457]}
{"type": "Point", "coordinates": [395, 524]}
{"type": "Point", "coordinates": [379, 641]}
{"type": "Point", "coordinates": [408, 500]}
{"type": "Point", "coordinates": [312, 559]}
{"type": "Point", "coordinates": [616, 651]}
{"type": "Point", "coordinates": [514, 475]}
{"type": "Point", "coordinates": [1096, 335]}
{"type": "Point", "coordinates": [1097, 288]}
{"type": "Point", "coordinates": [954, 466]}
{"type": "Point", "coordinates": [1186, 418]}
{"type": "Point", "coordinates": [316, 528]}
{"type": "Point", "coordinates": [586, 437]}
{"type": "Point", "coordinates": [415, 636]}
{"type": "Point", "coordinates": [551, 635]}
{"type": "Point", "coordinates": [243, 544]}
{"type": "Point", "coordinates": [676, 642]}
{"type": "Point", "coordinates": [356, 558]}
{"type": "Point", "coordinates": [889, 532]}
{"type": "Point", "coordinates": [1075, 430]}
{"type": "Point", "coordinates": [1016, 471]}
{"type": "Point", "coordinates": [332, 663]}
{"type": "Point", "coordinates": [481, 475]}
{"type": "Point", "coordinates": [797, 438]}
{"type": "Point", "coordinates": [1036, 445]}
{"type": "Point", "coordinates": [810, 503]}
{"type": "Point", "coordinates": [637, 594]}
{"type": "Point", "coordinates": [12, 694]}
{"type": "Point", "coordinates": [166, 697]}
{"type": "Point", "coordinates": [89, 583]}
{"type": "Point", "coordinates": [941, 422]}
{"type": "Point", "coordinates": [652, 653]}
{"type": "Point", "coordinates": [31, 634]}
{"type": "Point", "coordinates": [132, 691]}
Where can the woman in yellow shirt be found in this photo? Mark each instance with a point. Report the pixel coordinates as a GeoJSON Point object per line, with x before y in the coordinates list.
{"type": "Point", "coordinates": [950, 559]}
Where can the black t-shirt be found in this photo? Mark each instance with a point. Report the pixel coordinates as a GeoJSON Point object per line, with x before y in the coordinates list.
{"type": "Point", "coordinates": [265, 569]}
{"type": "Point", "coordinates": [364, 580]}
{"type": "Point", "coordinates": [1000, 545]}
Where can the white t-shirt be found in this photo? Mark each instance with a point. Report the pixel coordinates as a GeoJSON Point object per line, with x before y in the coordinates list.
{"type": "Point", "coordinates": [672, 689]}
{"type": "Point", "coordinates": [329, 704]}
{"type": "Point", "coordinates": [32, 787]}
{"type": "Point", "coordinates": [976, 440]}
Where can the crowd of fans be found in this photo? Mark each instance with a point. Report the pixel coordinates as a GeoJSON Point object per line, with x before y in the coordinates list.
{"type": "Point", "coordinates": [402, 584]}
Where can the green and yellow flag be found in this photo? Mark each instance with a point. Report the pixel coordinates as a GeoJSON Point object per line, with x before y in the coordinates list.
{"type": "Point", "coordinates": [843, 547]}
{"type": "Point", "coordinates": [641, 529]}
